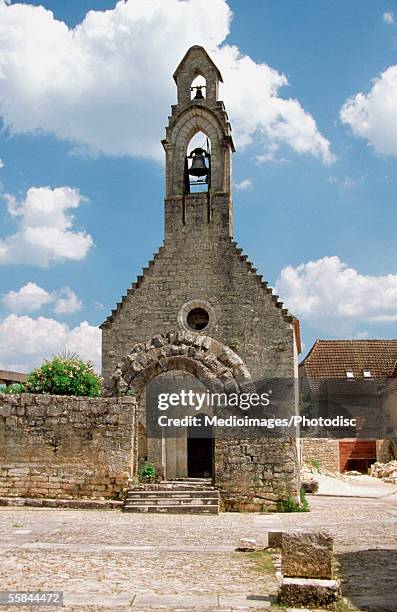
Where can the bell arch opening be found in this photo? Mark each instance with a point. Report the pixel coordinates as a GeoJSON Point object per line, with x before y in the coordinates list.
{"type": "Point", "coordinates": [198, 88]}
{"type": "Point", "coordinates": [198, 163]}
{"type": "Point", "coordinates": [196, 118]}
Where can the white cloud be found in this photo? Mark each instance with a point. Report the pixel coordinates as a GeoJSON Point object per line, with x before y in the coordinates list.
{"type": "Point", "coordinates": [2, 164]}
{"type": "Point", "coordinates": [347, 182]}
{"type": "Point", "coordinates": [361, 335]}
{"type": "Point", "coordinates": [106, 87]}
{"type": "Point", "coordinates": [45, 232]}
{"type": "Point", "coordinates": [373, 116]}
{"type": "Point", "coordinates": [68, 302]}
{"type": "Point", "coordinates": [31, 297]}
{"type": "Point", "coordinates": [327, 292]}
{"type": "Point", "coordinates": [25, 342]}
{"type": "Point", "coordinates": [388, 17]}
{"type": "Point", "coordinates": [244, 184]}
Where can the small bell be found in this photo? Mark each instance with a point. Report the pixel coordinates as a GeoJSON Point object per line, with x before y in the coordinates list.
{"type": "Point", "coordinates": [198, 167]}
{"type": "Point", "coordinates": [199, 93]}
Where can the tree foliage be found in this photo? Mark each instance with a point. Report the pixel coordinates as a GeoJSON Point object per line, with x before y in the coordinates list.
{"type": "Point", "coordinates": [64, 375]}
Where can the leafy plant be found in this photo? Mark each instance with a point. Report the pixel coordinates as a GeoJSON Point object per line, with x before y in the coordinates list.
{"type": "Point", "coordinates": [12, 389]}
{"type": "Point", "coordinates": [147, 472]}
{"type": "Point", "coordinates": [315, 463]}
{"type": "Point", "coordinates": [290, 505]}
{"type": "Point", "coordinates": [67, 356]}
{"type": "Point", "coordinates": [234, 344]}
{"type": "Point", "coordinates": [63, 376]}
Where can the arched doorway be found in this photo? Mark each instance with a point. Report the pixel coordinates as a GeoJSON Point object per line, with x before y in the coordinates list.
{"type": "Point", "coordinates": [212, 364]}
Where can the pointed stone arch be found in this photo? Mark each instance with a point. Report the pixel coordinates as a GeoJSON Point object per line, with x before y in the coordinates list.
{"type": "Point", "coordinates": [210, 361]}
{"type": "Point", "coordinates": [190, 121]}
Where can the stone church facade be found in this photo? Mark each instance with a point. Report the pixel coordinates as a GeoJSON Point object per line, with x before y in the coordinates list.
{"type": "Point", "coordinates": [201, 310]}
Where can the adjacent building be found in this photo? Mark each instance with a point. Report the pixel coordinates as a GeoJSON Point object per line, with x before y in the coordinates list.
{"type": "Point", "coordinates": [356, 378]}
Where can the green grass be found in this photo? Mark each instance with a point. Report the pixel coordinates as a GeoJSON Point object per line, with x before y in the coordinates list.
{"type": "Point", "coordinates": [342, 605]}
{"type": "Point", "coordinates": [263, 561]}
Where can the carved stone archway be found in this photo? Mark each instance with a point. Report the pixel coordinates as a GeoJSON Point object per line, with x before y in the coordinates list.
{"type": "Point", "coordinates": [213, 363]}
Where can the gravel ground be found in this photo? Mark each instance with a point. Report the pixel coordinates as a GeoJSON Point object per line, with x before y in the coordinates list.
{"type": "Point", "coordinates": [110, 560]}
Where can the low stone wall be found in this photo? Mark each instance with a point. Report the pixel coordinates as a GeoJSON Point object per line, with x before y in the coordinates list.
{"type": "Point", "coordinates": [384, 451]}
{"type": "Point", "coordinates": [253, 474]}
{"type": "Point", "coordinates": [323, 450]}
{"type": "Point", "coordinates": [65, 447]}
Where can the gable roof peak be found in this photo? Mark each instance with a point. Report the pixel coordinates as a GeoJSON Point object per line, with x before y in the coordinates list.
{"type": "Point", "coordinates": [192, 50]}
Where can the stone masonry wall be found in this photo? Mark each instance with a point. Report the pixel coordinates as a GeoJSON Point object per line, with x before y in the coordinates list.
{"type": "Point", "coordinates": [384, 450]}
{"type": "Point", "coordinates": [199, 261]}
{"type": "Point", "coordinates": [64, 447]}
{"type": "Point", "coordinates": [253, 474]}
{"type": "Point", "coordinates": [323, 450]}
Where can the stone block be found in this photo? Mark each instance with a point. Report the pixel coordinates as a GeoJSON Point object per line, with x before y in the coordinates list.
{"type": "Point", "coordinates": [310, 485]}
{"type": "Point", "coordinates": [309, 592]}
{"type": "Point", "coordinates": [5, 411]}
{"type": "Point", "coordinates": [307, 554]}
{"type": "Point", "coordinates": [274, 539]}
{"type": "Point", "coordinates": [246, 545]}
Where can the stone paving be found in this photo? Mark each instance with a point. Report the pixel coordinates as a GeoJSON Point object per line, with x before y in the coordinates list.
{"type": "Point", "coordinates": [109, 560]}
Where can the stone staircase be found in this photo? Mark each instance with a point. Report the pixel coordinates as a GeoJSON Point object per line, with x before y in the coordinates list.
{"type": "Point", "coordinates": [181, 496]}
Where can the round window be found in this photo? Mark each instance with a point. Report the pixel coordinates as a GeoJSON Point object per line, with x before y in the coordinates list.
{"type": "Point", "coordinates": [197, 319]}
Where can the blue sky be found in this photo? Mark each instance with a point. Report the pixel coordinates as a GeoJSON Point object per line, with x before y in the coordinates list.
{"type": "Point", "coordinates": [315, 168]}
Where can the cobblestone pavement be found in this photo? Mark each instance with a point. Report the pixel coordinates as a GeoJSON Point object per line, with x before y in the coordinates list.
{"type": "Point", "coordinates": [109, 560]}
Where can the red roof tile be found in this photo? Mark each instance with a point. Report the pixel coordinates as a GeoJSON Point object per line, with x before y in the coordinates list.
{"type": "Point", "coordinates": [331, 358]}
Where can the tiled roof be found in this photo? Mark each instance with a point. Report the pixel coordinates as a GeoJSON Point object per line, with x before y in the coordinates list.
{"type": "Point", "coordinates": [331, 358]}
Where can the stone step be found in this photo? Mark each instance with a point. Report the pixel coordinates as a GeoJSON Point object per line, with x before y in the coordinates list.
{"type": "Point", "coordinates": [185, 509]}
{"type": "Point", "coordinates": [173, 487]}
{"type": "Point", "coordinates": [190, 480]}
{"type": "Point", "coordinates": [172, 494]}
{"type": "Point", "coordinates": [182, 495]}
{"type": "Point", "coordinates": [165, 501]}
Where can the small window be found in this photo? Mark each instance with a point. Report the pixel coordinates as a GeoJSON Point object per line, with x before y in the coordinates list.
{"type": "Point", "coordinates": [198, 319]}
{"type": "Point", "coordinates": [349, 373]}
{"type": "Point", "coordinates": [367, 373]}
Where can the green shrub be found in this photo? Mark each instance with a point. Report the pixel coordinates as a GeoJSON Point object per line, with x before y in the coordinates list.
{"type": "Point", "coordinates": [147, 472]}
{"type": "Point", "coordinates": [11, 389]}
{"type": "Point", "coordinates": [234, 344]}
{"type": "Point", "coordinates": [315, 463]}
{"type": "Point", "coordinates": [290, 505]}
{"type": "Point", "coordinates": [64, 375]}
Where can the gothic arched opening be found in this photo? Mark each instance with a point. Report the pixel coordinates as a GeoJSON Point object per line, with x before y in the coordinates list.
{"type": "Point", "coordinates": [198, 164]}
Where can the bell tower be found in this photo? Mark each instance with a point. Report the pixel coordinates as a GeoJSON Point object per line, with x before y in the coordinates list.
{"type": "Point", "coordinates": [197, 304]}
{"type": "Point", "coordinates": [198, 172]}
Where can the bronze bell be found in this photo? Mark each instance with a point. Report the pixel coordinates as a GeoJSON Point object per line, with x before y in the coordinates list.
{"type": "Point", "coordinates": [198, 167]}
{"type": "Point", "coordinates": [199, 93]}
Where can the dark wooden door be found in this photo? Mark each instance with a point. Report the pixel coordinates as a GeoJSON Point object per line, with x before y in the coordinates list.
{"type": "Point", "coordinates": [200, 451]}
